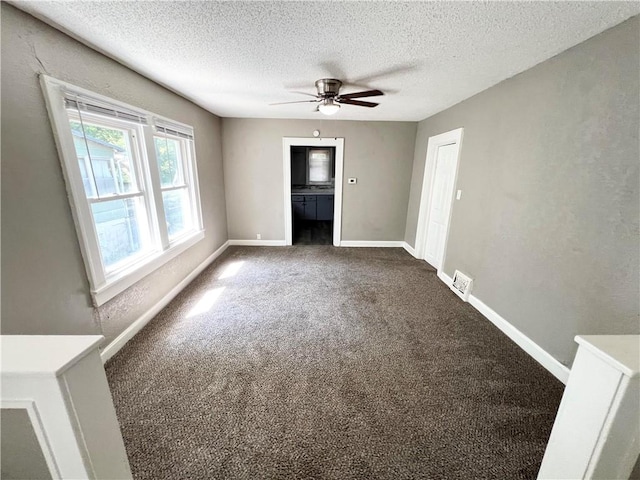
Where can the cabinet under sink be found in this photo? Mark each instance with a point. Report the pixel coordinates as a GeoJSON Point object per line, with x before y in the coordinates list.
{"type": "Point", "coordinates": [312, 207]}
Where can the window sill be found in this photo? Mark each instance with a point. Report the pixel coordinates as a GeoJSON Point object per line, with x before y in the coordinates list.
{"type": "Point", "coordinates": [137, 272]}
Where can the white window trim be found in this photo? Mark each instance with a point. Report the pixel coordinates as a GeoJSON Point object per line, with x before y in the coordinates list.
{"type": "Point", "coordinates": [104, 287]}
{"type": "Point", "coordinates": [143, 268]}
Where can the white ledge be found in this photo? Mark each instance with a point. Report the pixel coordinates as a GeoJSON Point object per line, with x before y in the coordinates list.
{"type": "Point", "coordinates": [622, 352]}
{"type": "Point", "coordinates": [44, 355]}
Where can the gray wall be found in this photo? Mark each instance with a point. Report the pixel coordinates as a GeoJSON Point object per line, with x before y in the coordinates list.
{"type": "Point", "coordinates": [548, 220]}
{"type": "Point", "coordinates": [44, 285]}
{"type": "Point", "coordinates": [379, 154]}
{"type": "Point", "coordinates": [21, 456]}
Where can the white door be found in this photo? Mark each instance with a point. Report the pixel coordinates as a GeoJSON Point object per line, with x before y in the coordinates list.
{"type": "Point", "coordinates": [440, 204]}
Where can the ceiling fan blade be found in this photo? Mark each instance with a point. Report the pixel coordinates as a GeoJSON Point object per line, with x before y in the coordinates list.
{"type": "Point", "coordinates": [368, 93]}
{"type": "Point", "coordinates": [305, 93]}
{"type": "Point", "coordinates": [298, 101]}
{"type": "Point", "coordinates": [356, 102]}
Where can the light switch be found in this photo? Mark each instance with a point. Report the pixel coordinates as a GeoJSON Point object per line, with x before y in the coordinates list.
{"type": "Point", "coordinates": [352, 181]}
{"type": "Point", "coordinates": [458, 194]}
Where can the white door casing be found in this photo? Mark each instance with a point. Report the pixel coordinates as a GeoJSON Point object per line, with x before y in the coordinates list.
{"type": "Point", "coordinates": [440, 204]}
{"type": "Point", "coordinates": [441, 168]}
{"type": "Point", "coordinates": [338, 143]}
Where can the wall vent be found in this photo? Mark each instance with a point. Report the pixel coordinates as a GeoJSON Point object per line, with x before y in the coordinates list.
{"type": "Point", "coordinates": [461, 285]}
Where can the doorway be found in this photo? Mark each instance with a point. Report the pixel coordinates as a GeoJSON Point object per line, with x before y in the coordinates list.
{"type": "Point", "coordinates": [313, 183]}
{"type": "Point", "coordinates": [438, 186]}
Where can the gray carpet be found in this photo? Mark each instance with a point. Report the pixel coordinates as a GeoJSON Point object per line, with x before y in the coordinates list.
{"type": "Point", "coordinates": [323, 362]}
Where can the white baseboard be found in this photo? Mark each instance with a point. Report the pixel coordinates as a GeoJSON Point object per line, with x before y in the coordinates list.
{"type": "Point", "coordinates": [343, 243]}
{"type": "Point", "coordinates": [120, 341]}
{"type": "Point", "coordinates": [410, 249]}
{"type": "Point", "coordinates": [258, 243]}
{"type": "Point", "coordinates": [544, 358]}
{"type": "Point", "coordinates": [445, 278]}
{"type": "Point", "coordinates": [371, 243]}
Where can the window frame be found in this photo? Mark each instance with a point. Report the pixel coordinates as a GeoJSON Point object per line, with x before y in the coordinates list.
{"type": "Point", "coordinates": [187, 154]}
{"type": "Point", "coordinates": [104, 285]}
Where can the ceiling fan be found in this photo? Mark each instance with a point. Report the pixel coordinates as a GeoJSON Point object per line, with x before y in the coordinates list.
{"type": "Point", "coordinates": [329, 98]}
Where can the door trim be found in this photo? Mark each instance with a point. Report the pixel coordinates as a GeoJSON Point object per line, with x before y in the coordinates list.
{"type": "Point", "coordinates": [287, 143]}
{"type": "Point", "coordinates": [447, 138]}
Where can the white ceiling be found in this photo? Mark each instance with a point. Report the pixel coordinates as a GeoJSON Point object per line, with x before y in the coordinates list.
{"type": "Point", "coordinates": [234, 58]}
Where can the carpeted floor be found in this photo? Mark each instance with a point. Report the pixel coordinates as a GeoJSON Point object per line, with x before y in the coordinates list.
{"type": "Point", "coordinates": [322, 362]}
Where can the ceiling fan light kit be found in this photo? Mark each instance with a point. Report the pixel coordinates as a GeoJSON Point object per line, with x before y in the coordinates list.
{"type": "Point", "coordinates": [328, 107]}
{"type": "Point", "coordinates": [329, 98]}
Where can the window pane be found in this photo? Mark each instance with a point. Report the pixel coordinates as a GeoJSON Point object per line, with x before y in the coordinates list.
{"type": "Point", "coordinates": [104, 155]}
{"type": "Point", "coordinates": [87, 179]}
{"type": "Point", "coordinates": [319, 166]}
{"type": "Point", "coordinates": [177, 210]}
{"type": "Point", "coordinates": [122, 229]}
{"type": "Point", "coordinates": [169, 155]}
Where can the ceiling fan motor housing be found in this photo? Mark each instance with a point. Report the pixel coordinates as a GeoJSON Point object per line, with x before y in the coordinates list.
{"type": "Point", "coordinates": [328, 87]}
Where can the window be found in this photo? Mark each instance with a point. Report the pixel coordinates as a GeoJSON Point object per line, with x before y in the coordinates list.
{"type": "Point", "coordinates": [319, 166]}
{"type": "Point", "coordinates": [171, 154]}
{"type": "Point", "coordinates": [132, 180]}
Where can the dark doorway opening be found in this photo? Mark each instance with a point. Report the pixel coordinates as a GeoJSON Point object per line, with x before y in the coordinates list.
{"type": "Point", "coordinates": [310, 232]}
{"type": "Point", "coordinates": [312, 194]}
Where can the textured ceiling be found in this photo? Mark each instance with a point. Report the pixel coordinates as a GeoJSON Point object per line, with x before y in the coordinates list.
{"type": "Point", "coordinates": [234, 58]}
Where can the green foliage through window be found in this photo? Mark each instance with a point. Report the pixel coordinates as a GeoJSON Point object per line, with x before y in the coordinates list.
{"type": "Point", "coordinates": [109, 135]}
{"type": "Point", "coordinates": [167, 152]}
